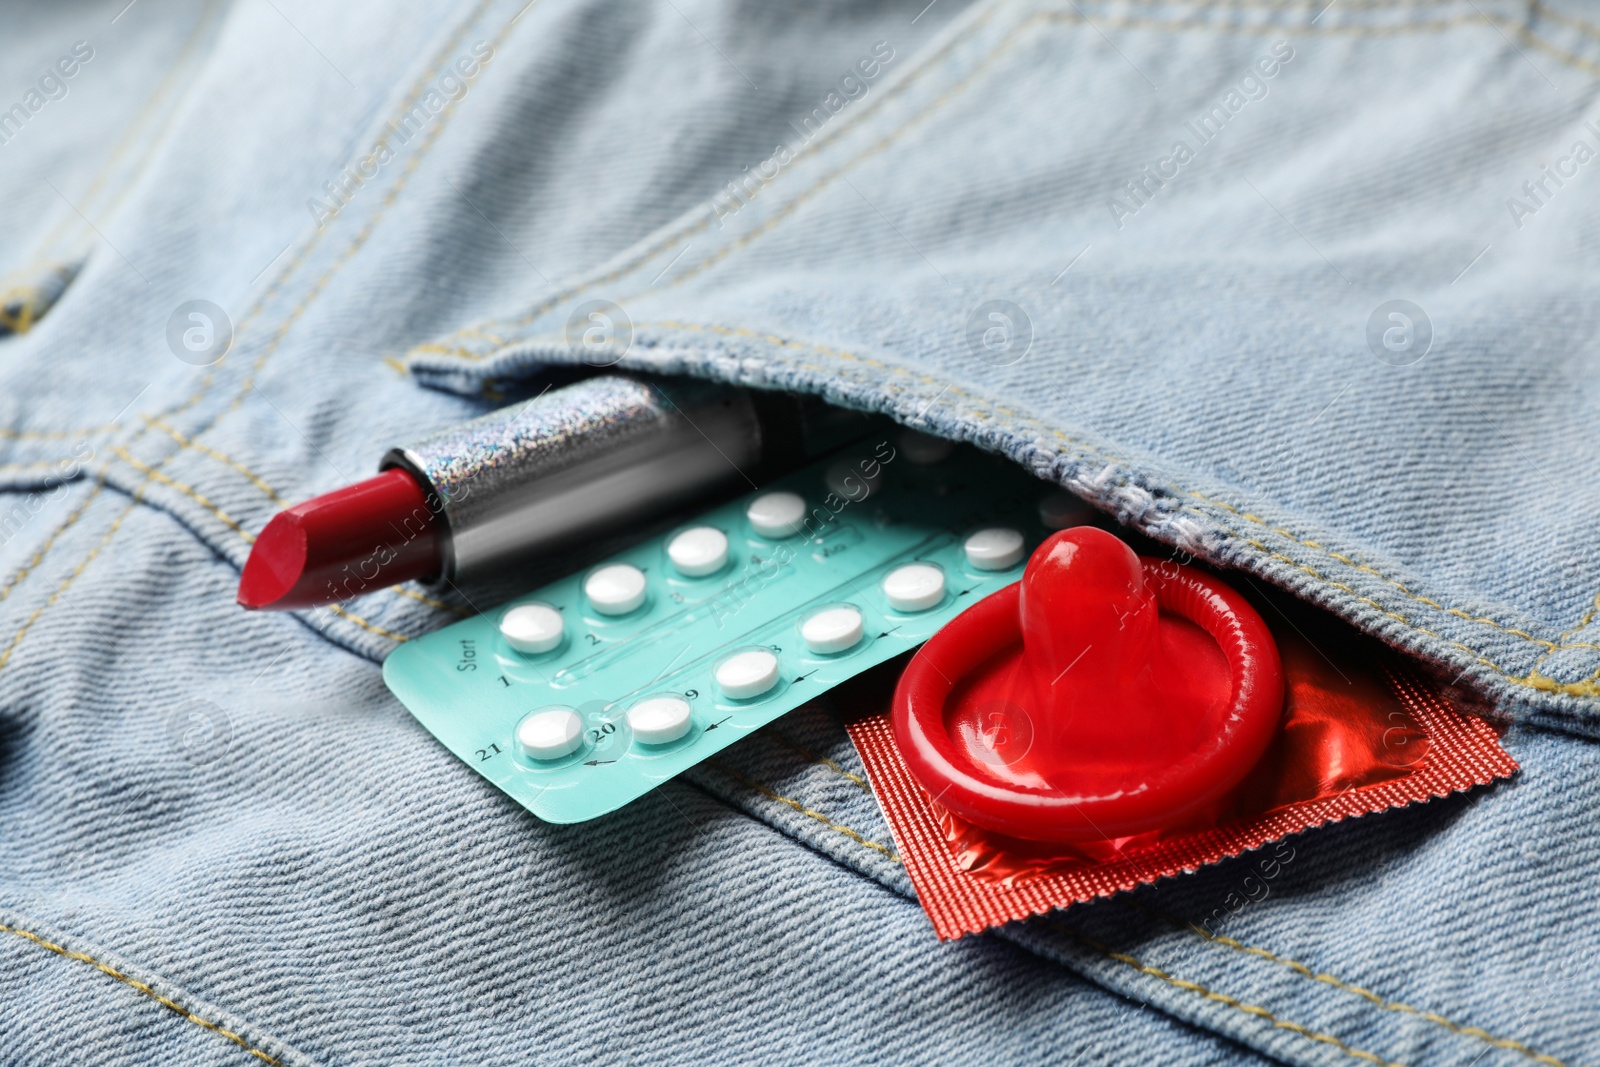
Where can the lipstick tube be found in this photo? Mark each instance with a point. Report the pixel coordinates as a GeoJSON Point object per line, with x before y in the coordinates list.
{"type": "Point", "coordinates": [474, 502]}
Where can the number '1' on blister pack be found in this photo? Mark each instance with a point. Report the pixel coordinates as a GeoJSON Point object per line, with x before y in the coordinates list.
{"type": "Point", "coordinates": [587, 693]}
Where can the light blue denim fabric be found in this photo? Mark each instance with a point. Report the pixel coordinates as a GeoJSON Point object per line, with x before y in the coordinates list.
{"type": "Point", "coordinates": [225, 842]}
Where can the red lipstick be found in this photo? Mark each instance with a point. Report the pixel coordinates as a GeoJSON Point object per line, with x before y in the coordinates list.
{"type": "Point", "coordinates": [372, 534]}
{"type": "Point", "coordinates": [471, 503]}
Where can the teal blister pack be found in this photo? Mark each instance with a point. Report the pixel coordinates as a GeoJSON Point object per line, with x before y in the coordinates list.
{"type": "Point", "coordinates": [587, 693]}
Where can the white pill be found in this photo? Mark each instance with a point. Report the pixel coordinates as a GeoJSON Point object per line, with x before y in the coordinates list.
{"type": "Point", "coordinates": [550, 734]}
{"type": "Point", "coordinates": [532, 628]}
{"type": "Point", "coordinates": [615, 589]}
{"type": "Point", "coordinates": [747, 674]}
{"type": "Point", "coordinates": [777, 515]}
{"type": "Point", "coordinates": [1059, 509]}
{"type": "Point", "coordinates": [658, 720]}
{"type": "Point", "coordinates": [914, 587]}
{"type": "Point", "coordinates": [832, 630]}
{"type": "Point", "coordinates": [924, 448]}
{"type": "Point", "coordinates": [996, 549]}
{"type": "Point", "coordinates": [699, 551]}
{"type": "Point", "coordinates": [854, 479]}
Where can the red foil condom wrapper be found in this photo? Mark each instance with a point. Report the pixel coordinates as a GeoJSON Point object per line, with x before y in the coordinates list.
{"type": "Point", "coordinates": [1361, 733]}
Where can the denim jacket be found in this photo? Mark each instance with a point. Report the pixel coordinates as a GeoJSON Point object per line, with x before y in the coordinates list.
{"type": "Point", "coordinates": [1298, 289]}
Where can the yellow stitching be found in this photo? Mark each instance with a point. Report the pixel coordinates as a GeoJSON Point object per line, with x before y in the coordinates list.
{"type": "Point", "coordinates": [206, 450]}
{"type": "Point", "coordinates": [431, 602]}
{"type": "Point", "coordinates": [55, 435]}
{"type": "Point", "coordinates": [365, 625]}
{"type": "Point", "coordinates": [416, 160]}
{"type": "Point", "coordinates": [44, 549]}
{"type": "Point", "coordinates": [151, 472]}
{"type": "Point", "coordinates": [18, 468]}
{"type": "Point", "coordinates": [1223, 998]}
{"type": "Point", "coordinates": [1533, 679]}
{"type": "Point", "coordinates": [1527, 35]}
{"type": "Point", "coordinates": [303, 253]}
{"type": "Point", "coordinates": [1121, 957]}
{"type": "Point", "coordinates": [1437, 26]}
{"type": "Point", "coordinates": [1584, 622]}
{"type": "Point", "coordinates": [668, 240]}
{"type": "Point", "coordinates": [1537, 9]}
{"type": "Point", "coordinates": [982, 68]}
{"type": "Point", "coordinates": [166, 1002]}
{"type": "Point", "coordinates": [1365, 994]}
{"type": "Point", "coordinates": [62, 588]}
{"type": "Point", "coordinates": [1347, 561]}
{"type": "Point", "coordinates": [822, 761]}
{"type": "Point", "coordinates": [880, 145]}
{"type": "Point", "coordinates": [803, 810]}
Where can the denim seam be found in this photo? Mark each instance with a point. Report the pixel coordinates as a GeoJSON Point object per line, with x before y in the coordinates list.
{"type": "Point", "coordinates": [44, 549]}
{"type": "Point", "coordinates": [851, 122]}
{"type": "Point", "coordinates": [368, 625]}
{"type": "Point", "coordinates": [279, 281]}
{"type": "Point", "coordinates": [61, 589]}
{"type": "Point", "coordinates": [1252, 1010]}
{"type": "Point", "coordinates": [261, 483]}
{"type": "Point", "coordinates": [432, 602]}
{"type": "Point", "coordinates": [151, 472]}
{"type": "Point", "coordinates": [1001, 409]}
{"type": "Point", "coordinates": [134, 983]}
{"type": "Point", "coordinates": [308, 246]}
{"type": "Point", "coordinates": [1533, 680]}
{"type": "Point", "coordinates": [1577, 628]}
{"type": "Point", "coordinates": [1537, 9]}
{"type": "Point", "coordinates": [1349, 987]}
{"type": "Point", "coordinates": [1283, 961]}
{"type": "Point", "coordinates": [220, 457]}
{"type": "Point", "coordinates": [774, 734]}
{"type": "Point", "coordinates": [808, 812]}
{"type": "Point", "coordinates": [56, 435]}
{"type": "Point", "coordinates": [1074, 18]}
{"type": "Point", "coordinates": [138, 498]}
{"type": "Point", "coordinates": [1194, 987]}
{"type": "Point", "coordinates": [1008, 41]}
{"type": "Point", "coordinates": [1552, 647]}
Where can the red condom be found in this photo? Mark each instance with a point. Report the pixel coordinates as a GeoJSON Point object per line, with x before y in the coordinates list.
{"type": "Point", "coordinates": [1008, 798]}
{"type": "Point", "coordinates": [1102, 697]}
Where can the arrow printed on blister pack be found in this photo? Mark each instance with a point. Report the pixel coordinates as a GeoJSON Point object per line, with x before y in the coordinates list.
{"type": "Point", "coordinates": [598, 762]}
{"type": "Point", "coordinates": [716, 724]}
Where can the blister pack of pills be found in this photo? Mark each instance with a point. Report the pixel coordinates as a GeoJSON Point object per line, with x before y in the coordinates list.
{"type": "Point", "coordinates": [585, 694]}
